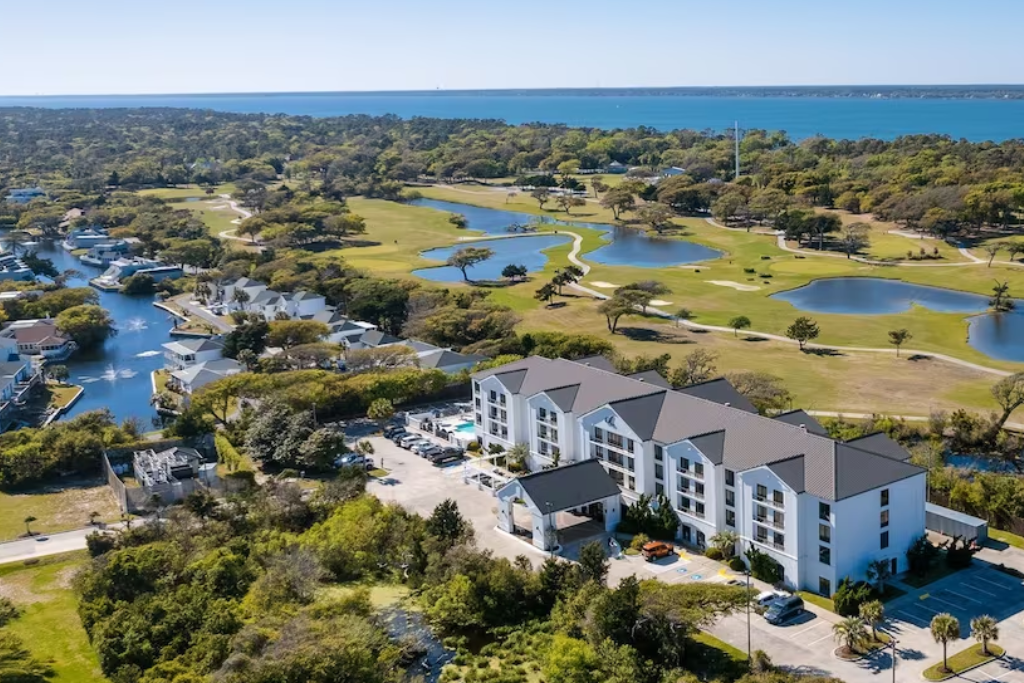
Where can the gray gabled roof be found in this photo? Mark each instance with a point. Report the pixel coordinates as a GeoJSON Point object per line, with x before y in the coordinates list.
{"type": "Point", "coordinates": [800, 418]}
{"type": "Point", "coordinates": [720, 391]}
{"type": "Point", "coordinates": [831, 471]}
{"type": "Point", "coordinates": [446, 359]}
{"type": "Point", "coordinates": [791, 471]}
{"type": "Point", "coordinates": [880, 444]}
{"type": "Point", "coordinates": [600, 362]}
{"type": "Point", "coordinates": [569, 487]}
{"type": "Point", "coordinates": [378, 338]}
{"type": "Point", "coordinates": [563, 397]}
{"type": "Point", "coordinates": [652, 377]}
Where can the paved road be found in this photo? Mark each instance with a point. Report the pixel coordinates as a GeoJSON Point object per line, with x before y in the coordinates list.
{"type": "Point", "coordinates": [41, 546]}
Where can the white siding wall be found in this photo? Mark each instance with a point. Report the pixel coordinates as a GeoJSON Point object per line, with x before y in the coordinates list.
{"type": "Point", "coordinates": [810, 542]}
{"type": "Point", "coordinates": [708, 524]}
{"type": "Point", "coordinates": [564, 425]}
{"type": "Point", "coordinates": [746, 490]}
{"type": "Point", "coordinates": [859, 531]}
{"type": "Point", "coordinates": [608, 421]}
{"type": "Point", "coordinates": [517, 429]}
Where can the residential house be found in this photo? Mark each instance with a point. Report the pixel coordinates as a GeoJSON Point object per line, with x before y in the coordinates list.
{"type": "Point", "coordinates": [823, 509]}
{"type": "Point", "coordinates": [12, 268]}
{"type": "Point", "coordinates": [184, 353]}
{"type": "Point", "coordinates": [25, 195]}
{"type": "Point", "coordinates": [105, 253]}
{"type": "Point", "coordinates": [85, 238]}
{"type": "Point", "coordinates": [194, 377]}
{"type": "Point", "coordinates": [69, 217]}
{"type": "Point", "coordinates": [39, 338]}
{"type": "Point", "coordinates": [342, 330]}
{"type": "Point", "coordinates": [450, 362]}
{"type": "Point", "coordinates": [123, 268]}
{"type": "Point", "coordinates": [616, 167]}
{"type": "Point", "coordinates": [17, 379]}
{"type": "Point", "coordinates": [172, 474]}
{"type": "Point", "coordinates": [249, 286]}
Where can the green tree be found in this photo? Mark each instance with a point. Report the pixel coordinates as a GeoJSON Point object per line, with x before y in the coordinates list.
{"type": "Point", "coordinates": [288, 333]}
{"type": "Point", "coordinates": [593, 563]}
{"type": "Point", "coordinates": [459, 221]}
{"type": "Point", "coordinates": [851, 632]}
{"type": "Point", "coordinates": [569, 201]}
{"type": "Point", "coordinates": [619, 200]}
{"type": "Point", "coordinates": [945, 628]}
{"type": "Point", "coordinates": [546, 293]}
{"type": "Point", "coordinates": [1001, 300]}
{"type": "Point", "coordinates": [899, 337]}
{"type": "Point", "coordinates": [879, 571]}
{"type": "Point", "coordinates": [448, 526]}
{"type": "Point", "coordinates": [873, 612]}
{"type": "Point", "coordinates": [17, 664]}
{"type": "Point", "coordinates": [88, 325]}
{"type": "Point", "coordinates": [381, 410]}
{"type": "Point", "coordinates": [725, 541]}
{"type": "Point", "coordinates": [657, 217]}
{"type": "Point", "coordinates": [28, 521]}
{"type": "Point", "coordinates": [854, 238]}
{"type": "Point", "coordinates": [453, 606]}
{"type": "Point", "coordinates": [514, 272]}
{"type": "Point", "coordinates": [984, 629]}
{"type": "Point", "coordinates": [740, 322]}
{"type": "Point", "coordinates": [613, 309]}
{"type": "Point", "coordinates": [467, 257]}
{"type": "Point", "coordinates": [803, 330]}
{"type": "Point", "coordinates": [58, 373]}
{"type": "Point", "coordinates": [571, 661]}
{"type": "Point", "coordinates": [249, 336]}
{"type": "Point", "coordinates": [992, 249]}
{"type": "Point", "coordinates": [542, 195]}
{"type": "Point", "coordinates": [1009, 394]}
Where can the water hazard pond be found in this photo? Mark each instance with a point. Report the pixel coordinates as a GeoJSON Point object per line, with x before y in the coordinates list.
{"type": "Point", "coordinates": [997, 335]}
{"type": "Point", "coordinates": [625, 247]}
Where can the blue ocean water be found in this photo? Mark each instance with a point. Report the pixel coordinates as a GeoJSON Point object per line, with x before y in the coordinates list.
{"type": "Point", "coordinates": [801, 117]}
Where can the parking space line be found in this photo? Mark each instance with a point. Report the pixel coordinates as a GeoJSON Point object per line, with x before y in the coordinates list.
{"type": "Point", "coordinates": [800, 633]}
{"type": "Point", "coordinates": [984, 592]}
{"type": "Point", "coordinates": [827, 635]}
{"type": "Point", "coordinates": [998, 585]}
{"type": "Point", "coordinates": [945, 602]}
{"type": "Point", "coordinates": [913, 618]}
{"type": "Point", "coordinates": [961, 596]}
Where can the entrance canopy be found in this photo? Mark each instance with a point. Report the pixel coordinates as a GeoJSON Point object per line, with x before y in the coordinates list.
{"type": "Point", "coordinates": [569, 487]}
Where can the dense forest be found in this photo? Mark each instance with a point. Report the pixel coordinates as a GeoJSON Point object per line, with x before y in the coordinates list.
{"type": "Point", "coordinates": [928, 181]}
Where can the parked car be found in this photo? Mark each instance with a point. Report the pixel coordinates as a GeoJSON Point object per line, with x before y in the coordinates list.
{"type": "Point", "coordinates": [447, 452]}
{"type": "Point", "coordinates": [429, 452]}
{"type": "Point", "coordinates": [420, 447]}
{"type": "Point", "coordinates": [351, 460]}
{"type": "Point", "coordinates": [447, 459]}
{"type": "Point", "coordinates": [655, 550]}
{"type": "Point", "coordinates": [410, 439]}
{"type": "Point", "coordinates": [768, 597]}
{"type": "Point", "coordinates": [393, 429]}
{"type": "Point", "coordinates": [396, 437]}
{"type": "Point", "coordinates": [784, 609]}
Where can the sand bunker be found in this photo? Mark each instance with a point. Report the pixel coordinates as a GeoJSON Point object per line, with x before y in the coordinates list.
{"type": "Point", "coordinates": [660, 302]}
{"type": "Point", "coordinates": [734, 285]}
{"type": "Point", "coordinates": [602, 284]}
{"type": "Point", "coordinates": [702, 267]}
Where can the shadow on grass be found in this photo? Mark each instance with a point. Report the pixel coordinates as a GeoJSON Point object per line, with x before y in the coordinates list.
{"type": "Point", "coordinates": [755, 339]}
{"type": "Point", "coordinates": [646, 334]}
{"type": "Point", "coordinates": [823, 352]}
{"type": "Point", "coordinates": [710, 663]}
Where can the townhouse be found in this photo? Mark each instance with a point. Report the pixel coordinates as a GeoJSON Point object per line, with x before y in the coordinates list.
{"type": "Point", "coordinates": [823, 509]}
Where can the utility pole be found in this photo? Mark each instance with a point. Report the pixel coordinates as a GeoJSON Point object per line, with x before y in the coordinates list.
{"type": "Point", "coordinates": [736, 139]}
{"type": "Point", "coordinates": [892, 639]}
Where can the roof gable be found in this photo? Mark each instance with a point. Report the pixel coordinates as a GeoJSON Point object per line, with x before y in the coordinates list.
{"type": "Point", "coordinates": [800, 418]}
{"type": "Point", "coordinates": [652, 377]}
{"type": "Point", "coordinates": [563, 488]}
{"type": "Point", "coordinates": [880, 444]}
{"type": "Point", "coordinates": [641, 413]}
{"type": "Point", "coordinates": [712, 445]}
{"type": "Point", "coordinates": [791, 472]}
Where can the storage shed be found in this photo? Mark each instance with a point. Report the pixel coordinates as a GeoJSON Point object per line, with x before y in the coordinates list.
{"type": "Point", "coordinates": [952, 523]}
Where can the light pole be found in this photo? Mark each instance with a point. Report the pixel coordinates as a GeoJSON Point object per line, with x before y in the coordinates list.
{"type": "Point", "coordinates": [549, 532]}
{"type": "Point", "coordinates": [892, 641]}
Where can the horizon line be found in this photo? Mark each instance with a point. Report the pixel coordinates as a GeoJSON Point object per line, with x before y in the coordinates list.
{"type": "Point", "coordinates": [455, 91]}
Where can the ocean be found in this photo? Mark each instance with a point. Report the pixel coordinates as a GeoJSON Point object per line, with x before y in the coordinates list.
{"type": "Point", "coordinates": [801, 117]}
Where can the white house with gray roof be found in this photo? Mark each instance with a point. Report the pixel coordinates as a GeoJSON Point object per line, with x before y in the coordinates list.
{"type": "Point", "coordinates": [822, 508]}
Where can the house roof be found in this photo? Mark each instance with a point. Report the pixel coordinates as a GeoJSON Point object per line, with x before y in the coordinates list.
{"type": "Point", "coordinates": [598, 361]}
{"type": "Point", "coordinates": [198, 345]}
{"type": "Point", "coordinates": [651, 377]}
{"type": "Point", "coordinates": [211, 368]}
{"type": "Point", "coordinates": [791, 471]}
{"type": "Point", "coordinates": [800, 418]}
{"type": "Point", "coordinates": [329, 317]}
{"type": "Point", "coordinates": [569, 487]}
{"type": "Point", "coordinates": [720, 391]}
{"type": "Point", "coordinates": [880, 444]}
{"type": "Point", "coordinates": [36, 333]}
{"type": "Point", "coordinates": [737, 437]}
{"type": "Point", "coordinates": [378, 338]}
{"type": "Point", "coordinates": [445, 359]}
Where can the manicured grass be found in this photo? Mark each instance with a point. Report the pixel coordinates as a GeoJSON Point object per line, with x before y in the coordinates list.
{"type": "Point", "coordinates": [1007, 538]}
{"type": "Point", "coordinates": [55, 509]}
{"type": "Point", "coordinates": [49, 625]}
{"type": "Point", "coordinates": [938, 570]}
{"type": "Point", "coordinates": [713, 659]}
{"type": "Point", "coordinates": [378, 473]}
{"type": "Point", "coordinates": [59, 395]}
{"type": "Point", "coordinates": [176, 193]}
{"type": "Point", "coordinates": [962, 661]}
{"type": "Point", "coordinates": [215, 214]}
{"type": "Point", "coordinates": [381, 595]}
{"type": "Point", "coordinates": [815, 599]}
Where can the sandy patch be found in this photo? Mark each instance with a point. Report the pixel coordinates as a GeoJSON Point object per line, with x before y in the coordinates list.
{"type": "Point", "coordinates": [695, 267]}
{"type": "Point", "coordinates": [602, 284]}
{"type": "Point", "coordinates": [734, 285]}
{"type": "Point", "coordinates": [660, 302]}
{"type": "Point", "coordinates": [65, 577]}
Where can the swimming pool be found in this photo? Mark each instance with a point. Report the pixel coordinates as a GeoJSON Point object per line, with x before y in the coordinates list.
{"type": "Point", "coordinates": [465, 428]}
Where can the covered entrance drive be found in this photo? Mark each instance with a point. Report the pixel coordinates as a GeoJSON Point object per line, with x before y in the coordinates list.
{"type": "Point", "coordinates": [581, 498]}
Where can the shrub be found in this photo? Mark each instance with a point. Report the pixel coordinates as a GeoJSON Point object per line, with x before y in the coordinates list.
{"type": "Point", "coordinates": [289, 473]}
{"type": "Point", "coordinates": [763, 566]}
{"type": "Point", "coordinates": [99, 543]}
{"type": "Point", "coordinates": [737, 565]}
{"type": "Point", "coordinates": [921, 555]}
{"type": "Point", "coordinates": [750, 271]}
{"type": "Point", "coordinates": [849, 596]}
{"type": "Point", "coordinates": [638, 541]}
{"type": "Point", "coordinates": [714, 554]}
{"type": "Point", "coordinates": [8, 611]}
{"type": "Point", "coordinates": [473, 447]}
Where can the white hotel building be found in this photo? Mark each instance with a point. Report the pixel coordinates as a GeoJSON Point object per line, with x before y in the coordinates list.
{"type": "Point", "coordinates": [822, 508]}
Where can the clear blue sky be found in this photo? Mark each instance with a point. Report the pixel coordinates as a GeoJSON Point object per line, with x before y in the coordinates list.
{"type": "Point", "coordinates": [191, 46]}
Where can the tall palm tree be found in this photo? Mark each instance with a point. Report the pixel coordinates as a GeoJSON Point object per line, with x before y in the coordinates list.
{"type": "Point", "coordinates": [945, 628]}
{"type": "Point", "coordinates": [873, 612]}
{"type": "Point", "coordinates": [851, 632]}
{"type": "Point", "coordinates": [984, 629]}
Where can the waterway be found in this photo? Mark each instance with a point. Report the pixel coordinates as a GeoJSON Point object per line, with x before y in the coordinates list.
{"type": "Point", "coordinates": [801, 117]}
{"type": "Point", "coordinates": [116, 376]}
{"type": "Point", "coordinates": [526, 251]}
{"type": "Point", "coordinates": [625, 246]}
{"type": "Point", "coordinates": [997, 335]}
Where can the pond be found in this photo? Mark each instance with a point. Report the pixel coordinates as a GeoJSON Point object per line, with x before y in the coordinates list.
{"type": "Point", "coordinates": [526, 250]}
{"type": "Point", "coordinates": [411, 627]}
{"type": "Point", "coordinates": [626, 247]}
{"type": "Point", "coordinates": [117, 375]}
{"type": "Point", "coordinates": [997, 335]}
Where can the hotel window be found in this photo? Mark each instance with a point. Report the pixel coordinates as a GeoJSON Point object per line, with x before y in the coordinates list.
{"type": "Point", "coordinates": [476, 401]}
{"type": "Point", "coordinates": [684, 503]}
{"type": "Point", "coordinates": [884, 540]}
{"type": "Point", "coordinates": [730, 478]}
{"type": "Point", "coordinates": [730, 499]}
{"type": "Point", "coordinates": [778, 498]}
{"type": "Point", "coordinates": [504, 416]}
{"type": "Point", "coordinates": [825, 533]}
{"type": "Point", "coordinates": [630, 464]}
{"type": "Point", "coordinates": [780, 541]}
{"type": "Point", "coordinates": [824, 555]}
{"type": "Point", "coordinates": [699, 490]}
{"type": "Point", "coordinates": [543, 447]}
{"type": "Point", "coordinates": [779, 520]}
{"type": "Point", "coordinates": [542, 431]}
{"type": "Point", "coordinates": [684, 485]}
{"type": "Point", "coordinates": [885, 497]}
{"type": "Point", "coordinates": [884, 518]}
{"type": "Point", "coordinates": [629, 445]}
{"type": "Point", "coordinates": [494, 395]}
{"type": "Point", "coordinates": [598, 435]}
{"type": "Point", "coordinates": [615, 440]}
{"type": "Point", "coordinates": [730, 518]}
{"type": "Point", "coordinates": [659, 472]}
{"type": "Point", "coordinates": [659, 489]}
{"type": "Point", "coordinates": [631, 483]}
{"type": "Point", "coordinates": [824, 587]}
{"type": "Point", "coordinates": [698, 469]}
{"type": "Point", "coordinates": [824, 511]}
{"type": "Point", "coordinates": [762, 492]}
{"type": "Point", "coordinates": [760, 513]}
{"type": "Point", "coordinates": [479, 419]}
{"type": "Point", "coordinates": [659, 453]}
{"type": "Point", "coordinates": [542, 413]}
{"type": "Point", "coordinates": [683, 465]}
{"type": "Point", "coordinates": [501, 399]}
{"type": "Point", "coordinates": [700, 509]}
{"type": "Point", "coordinates": [761, 534]}
{"type": "Point", "coordinates": [504, 432]}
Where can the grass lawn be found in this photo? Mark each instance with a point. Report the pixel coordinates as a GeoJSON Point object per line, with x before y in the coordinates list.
{"type": "Point", "coordinates": [49, 625]}
{"type": "Point", "coordinates": [711, 658]}
{"type": "Point", "coordinates": [59, 395]}
{"type": "Point", "coordinates": [179, 193]}
{"type": "Point", "coordinates": [1007, 538]}
{"type": "Point", "coordinates": [215, 214]}
{"type": "Point", "coordinates": [381, 595]}
{"type": "Point", "coordinates": [877, 642]}
{"type": "Point", "coordinates": [815, 599]}
{"type": "Point", "coordinates": [55, 509]}
{"type": "Point", "coordinates": [963, 660]}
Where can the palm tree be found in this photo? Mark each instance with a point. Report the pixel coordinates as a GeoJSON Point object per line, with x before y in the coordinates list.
{"type": "Point", "coordinates": [879, 571]}
{"type": "Point", "coordinates": [984, 629]}
{"type": "Point", "coordinates": [945, 627]}
{"type": "Point", "coordinates": [28, 522]}
{"type": "Point", "coordinates": [851, 632]}
{"type": "Point", "coordinates": [725, 541]}
{"type": "Point", "coordinates": [873, 612]}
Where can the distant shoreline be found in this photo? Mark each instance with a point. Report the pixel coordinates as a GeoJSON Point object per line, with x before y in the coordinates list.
{"type": "Point", "coordinates": [968, 92]}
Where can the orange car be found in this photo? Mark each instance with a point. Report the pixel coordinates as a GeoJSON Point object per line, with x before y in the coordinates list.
{"type": "Point", "coordinates": [655, 550]}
